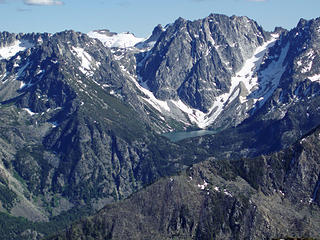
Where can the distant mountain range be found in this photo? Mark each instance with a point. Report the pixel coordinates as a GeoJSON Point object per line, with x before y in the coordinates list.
{"type": "Point", "coordinates": [83, 118]}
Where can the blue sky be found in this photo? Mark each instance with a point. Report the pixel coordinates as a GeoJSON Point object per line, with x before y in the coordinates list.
{"type": "Point", "coordinates": [141, 16]}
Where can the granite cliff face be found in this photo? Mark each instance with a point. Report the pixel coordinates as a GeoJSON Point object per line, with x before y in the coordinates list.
{"type": "Point", "coordinates": [194, 61]}
{"type": "Point", "coordinates": [192, 64]}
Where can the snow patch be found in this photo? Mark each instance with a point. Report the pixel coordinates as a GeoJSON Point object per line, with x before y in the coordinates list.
{"type": "Point", "coordinates": [22, 85]}
{"type": "Point", "coordinates": [299, 63]}
{"type": "Point", "coordinates": [85, 60]}
{"type": "Point", "coordinates": [195, 115]}
{"type": "Point", "coordinates": [150, 98]}
{"type": "Point", "coordinates": [203, 186]}
{"type": "Point", "coordinates": [248, 74]}
{"type": "Point", "coordinates": [269, 79]}
{"type": "Point", "coordinates": [54, 124]}
{"type": "Point", "coordinates": [234, 95]}
{"type": "Point", "coordinates": [40, 71]}
{"type": "Point", "coordinates": [121, 40]}
{"type": "Point", "coordinates": [227, 193]}
{"type": "Point", "coordinates": [29, 111]}
{"type": "Point", "coordinates": [315, 78]}
{"type": "Point", "coordinates": [307, 67]}
{"type": "Point", "coordinates": [9, 51]}
{"type": "Point", "coordinates": [118, 58]}
{"type": "Point", "coordinates": [3, 76]}
{"type": "Point", "coordinates": [310, 55]}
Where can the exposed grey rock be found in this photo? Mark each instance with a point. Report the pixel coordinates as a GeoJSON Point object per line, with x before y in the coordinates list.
{"type": "Point", "coordinates": [71, 141]}
{"type": "Point", "coordinates": [263, 198]}
{"type": "Point", "coordinates": [194, 61]}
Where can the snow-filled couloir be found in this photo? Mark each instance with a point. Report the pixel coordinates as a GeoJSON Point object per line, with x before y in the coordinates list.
{"type": "Point", "coordinates": [258, 85]}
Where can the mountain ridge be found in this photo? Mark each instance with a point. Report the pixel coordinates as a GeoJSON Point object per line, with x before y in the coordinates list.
{"type": "Point", "coordinates": [82, 123]}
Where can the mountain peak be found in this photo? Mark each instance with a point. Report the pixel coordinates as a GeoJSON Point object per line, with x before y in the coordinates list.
{"type": "Point", "coordinates": [157, 31]}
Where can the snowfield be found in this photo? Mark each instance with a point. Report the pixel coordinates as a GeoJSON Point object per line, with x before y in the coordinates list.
{"type": "Point", "coordinates": [9, 51]}
{"type": "Point", "coordinates": [121, 40]}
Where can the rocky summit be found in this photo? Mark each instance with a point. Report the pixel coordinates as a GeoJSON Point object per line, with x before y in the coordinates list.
{"type": "Point", "coordinates": [208, 129]}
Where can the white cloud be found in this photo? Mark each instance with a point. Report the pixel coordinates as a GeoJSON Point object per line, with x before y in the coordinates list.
{"type": "Point", "coordinates": [43, 2]}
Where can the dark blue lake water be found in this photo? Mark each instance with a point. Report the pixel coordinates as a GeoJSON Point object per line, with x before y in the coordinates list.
{"type": "Point", "coordinates": [178, 136]}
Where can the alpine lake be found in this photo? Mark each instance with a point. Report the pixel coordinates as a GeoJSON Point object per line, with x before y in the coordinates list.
{"type": "Point", "coordinates": [178, 136]}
